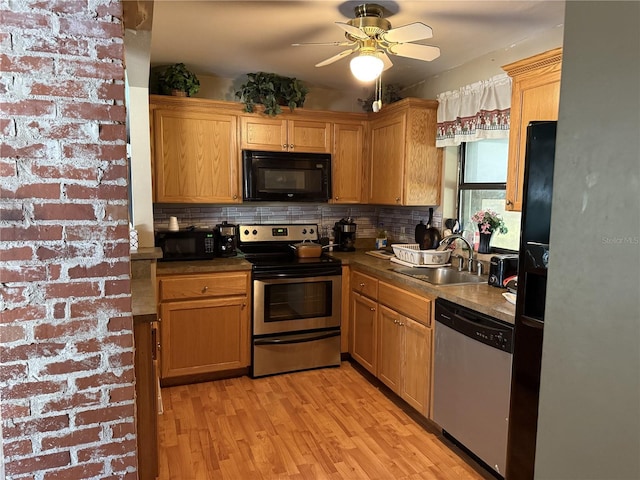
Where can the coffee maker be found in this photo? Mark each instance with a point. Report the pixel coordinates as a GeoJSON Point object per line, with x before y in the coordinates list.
{"type": "Point", "coordinates": [345, 235]}
{"type": "Point", "coordinates": [226, 239]}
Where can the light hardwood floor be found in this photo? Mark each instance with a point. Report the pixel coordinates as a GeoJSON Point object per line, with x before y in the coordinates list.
{"type": "Point", "coordinates": [320, 424]}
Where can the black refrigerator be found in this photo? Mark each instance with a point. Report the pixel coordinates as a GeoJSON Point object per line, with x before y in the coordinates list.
{"type": "Point", "coordinates": [530, 300]}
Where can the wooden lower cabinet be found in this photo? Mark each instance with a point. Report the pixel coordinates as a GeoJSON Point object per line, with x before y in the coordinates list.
{"type": "Point", "coordinates": [390, 347]}
{"type": "Point", "coordinates": [364, 316]}
{"type": "Point", "coordinates": [392, 337]}
{"type": "Point", "coordinates": [208, 333]}
{"type": "Point", "coordinates": [345, 331]}
{"type": "Point", "coordinates": [416, 365]}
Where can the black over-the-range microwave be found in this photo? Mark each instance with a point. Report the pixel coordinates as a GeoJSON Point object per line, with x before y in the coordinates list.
{"type": "Point", "coordinates": [286, 176]}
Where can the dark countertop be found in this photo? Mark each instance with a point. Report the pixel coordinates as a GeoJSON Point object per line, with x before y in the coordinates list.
{"type": "Point", "coordinates": [203, 266]}
{"type": "Point", "coordinates": [479, 297]}
{"type": "Point", "coordinates": [143, 300]}
{"type": "Point", "coordinates": [146, 253]}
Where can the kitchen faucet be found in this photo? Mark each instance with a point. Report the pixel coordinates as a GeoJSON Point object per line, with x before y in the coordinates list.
{"type": "Point", "coordinates": [446, 241]}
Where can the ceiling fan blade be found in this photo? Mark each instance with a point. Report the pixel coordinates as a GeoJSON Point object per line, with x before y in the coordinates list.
{"type": "Point", "coordinates": [329, 44]}
{"type": "Point", "coordinates": [408, 33]}
{"type": "Point", "coordinates": [353, 31]}
{"type": "Point", "coordinates": [413, 50]}
{"type": "Point", "coordinates": [386, 60]}
{"type": "Point", "coordinates": [335, 58]}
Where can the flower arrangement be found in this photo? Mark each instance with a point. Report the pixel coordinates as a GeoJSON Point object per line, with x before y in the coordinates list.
{"type": "Point", "coordinates": [489, 221]}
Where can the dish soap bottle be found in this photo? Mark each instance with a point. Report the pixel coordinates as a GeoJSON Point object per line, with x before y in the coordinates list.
{"type": "Point", "coordinates": [381, 237]}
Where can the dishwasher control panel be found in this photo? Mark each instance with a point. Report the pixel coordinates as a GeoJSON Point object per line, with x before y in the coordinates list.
{"type": "Point", "coordinates": [476, 325]}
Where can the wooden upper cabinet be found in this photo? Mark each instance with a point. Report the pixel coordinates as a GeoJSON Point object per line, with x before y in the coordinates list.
{"type": "Point", "coordinates": [535, 95]}
{"type": "Point", "coordinates": [289, 135]}
{"type": "Point", "coordinates": [348, 163]}
{"type": "Point", "coordinates": [196, 157]}
{"type": "Point", "coordinates": [405, 165]}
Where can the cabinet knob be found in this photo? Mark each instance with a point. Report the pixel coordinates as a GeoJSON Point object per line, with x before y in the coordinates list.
{"type": "Point", "coordinates": [373, 309]}
{"type": "Point", "coordinates": [204, 289]}
{"type": "Point", "coordinates": [235, 197]}
{"type": "Point", "coordinates": [397, 199]}
{"type": "Point", "coordinates": [395, 321]}
{"type": "Point", "coordinates": [291, 146]}
{"type": "Point", "coordinates": [284, 146]}
{"type": "Point", "coordinates": [509, 202]}
{"type": "Point", "coordinates": [362, 285]}
{"type": "Point", "coordinates": [337, 198]}
{"type": "Point", "coordinates": [401, 324]}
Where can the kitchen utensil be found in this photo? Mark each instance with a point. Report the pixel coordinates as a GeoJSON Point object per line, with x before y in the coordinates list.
{"type": "Point", "coordinates": [409, 252]}
{"type": "Point", "coordinates": [432, 236]}
{"type": "Point", "coordinates": [308, 249]}
{"type": "Point", "coordinates": [421, 230]}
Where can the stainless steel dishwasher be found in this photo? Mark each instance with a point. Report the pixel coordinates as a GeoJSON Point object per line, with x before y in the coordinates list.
{"type": "Point", "coordinates": [472, 381]}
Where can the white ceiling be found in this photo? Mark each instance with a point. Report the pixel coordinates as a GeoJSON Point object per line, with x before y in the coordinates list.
{"type": "Point", "coordinates": [231, 38]}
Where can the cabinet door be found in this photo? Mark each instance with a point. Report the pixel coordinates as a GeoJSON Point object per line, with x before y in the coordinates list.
{"type": "Point", "coordinates": [348, 163]}
{"type": "Point", "coordinates": [364, 313]}
{"type": "Point", "coordinates": [423, 161]}
{"type": "Point", "coordinates": [203, 336]}
{"type": "Point", "coordinates": [387, 160]}
{"type": "Point", "coordinates": [416, 363]}
{"type": "Point", "coordinates": [535, 95]}
{"type": "Point", "coordinates": [196, 157]}
{"type": "Point", "coordinates": [390, 347]}
{"type": "Point", "coordinates": [309, 136]}
{"type": "Point", "coordinates": [345, 318]}
{"type": "Point", "coordinates": [264, 134]}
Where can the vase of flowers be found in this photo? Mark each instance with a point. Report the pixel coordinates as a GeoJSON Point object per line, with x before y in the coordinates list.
{"type": "Point", "coordinates": [488, 222]}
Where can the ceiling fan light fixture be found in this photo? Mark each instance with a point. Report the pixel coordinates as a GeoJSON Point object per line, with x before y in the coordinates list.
{"type": "Point", "coordinates": [366, 67]}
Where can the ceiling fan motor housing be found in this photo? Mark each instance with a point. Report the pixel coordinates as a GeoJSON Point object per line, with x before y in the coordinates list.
{"type": "Point", "coordinates": [369, 20]}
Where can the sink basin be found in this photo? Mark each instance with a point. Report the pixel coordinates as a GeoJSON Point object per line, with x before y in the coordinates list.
{"type": "Point", "coordinates": [441, 276]}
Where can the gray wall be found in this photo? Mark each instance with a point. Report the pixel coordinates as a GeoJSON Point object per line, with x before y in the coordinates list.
{"type": "Point", "coordinates": [589, 423]}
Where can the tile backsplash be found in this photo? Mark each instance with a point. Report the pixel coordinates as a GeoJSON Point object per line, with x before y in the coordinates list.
{"type": "Point", "coordinates": [399, 222]}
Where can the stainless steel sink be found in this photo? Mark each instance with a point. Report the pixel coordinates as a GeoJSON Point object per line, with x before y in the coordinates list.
{"type": "Point", "coordinates": [441, 275]}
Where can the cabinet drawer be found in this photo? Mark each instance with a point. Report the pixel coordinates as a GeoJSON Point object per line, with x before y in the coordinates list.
{"type": "Point", "coordinates": [364, 285]}
{"type": "Point", "coordinates": [205, 286]}
{"type": "Point", "coordinates": [409, 304]}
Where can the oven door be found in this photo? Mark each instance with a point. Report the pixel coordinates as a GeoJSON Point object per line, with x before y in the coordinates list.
{"type": "Point", "coordinates": [282, 305]}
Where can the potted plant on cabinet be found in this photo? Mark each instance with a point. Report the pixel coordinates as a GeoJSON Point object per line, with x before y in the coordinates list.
{"type": "Point", "coordinates": [179, 81]}
{"type": "Point", "coordinates": [272, 91]}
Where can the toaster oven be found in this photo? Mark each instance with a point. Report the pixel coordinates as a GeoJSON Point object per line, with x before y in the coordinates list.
{"type": "Point", "coordinates": [501, 268]}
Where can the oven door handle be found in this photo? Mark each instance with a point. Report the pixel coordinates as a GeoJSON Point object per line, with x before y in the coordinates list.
{"type": "Point", "coordinates": [302, 338]}
{"type": "Point", "coordinates": [300, 273]}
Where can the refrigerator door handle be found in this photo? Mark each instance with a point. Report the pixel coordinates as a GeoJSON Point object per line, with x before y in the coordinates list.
{"type": "Point", "coordinates": [531, 322]}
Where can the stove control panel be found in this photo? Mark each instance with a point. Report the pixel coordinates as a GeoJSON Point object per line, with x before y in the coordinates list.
{"type": "Point", "coordinates": [278, 233]}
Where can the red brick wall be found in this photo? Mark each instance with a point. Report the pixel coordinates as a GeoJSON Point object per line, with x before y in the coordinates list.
{"type": "Point", "coordinates": [66, 333]}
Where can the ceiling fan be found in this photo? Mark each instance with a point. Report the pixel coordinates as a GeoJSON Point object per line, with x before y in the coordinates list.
{"type": "Point", "coordinates": [372, 37]}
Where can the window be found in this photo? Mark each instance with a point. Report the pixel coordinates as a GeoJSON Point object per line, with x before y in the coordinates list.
{"type": "Point", "coordinates": [482, 184]}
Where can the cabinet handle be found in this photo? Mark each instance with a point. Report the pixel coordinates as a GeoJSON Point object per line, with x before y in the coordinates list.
{"type": "Point", "coordinates": [373, 309]}
{"type": "Point", "coordinates": [397, 199]}
{"type": "Point", "coordinates": [204, 289]}
{"type": "Point", "coordinates": [509, 202]}
{"type": "Point", "coordinates": [395, 321]}
{"type": "Point", "coordinates": [362, 285]}
{"type": "Point", "coordinates": [291, 146]}
{"type": "Point", "coordinates": [401, 324]}
{"type": "Point", "coordinates": [235, 197]}
{"type": "Point", "coordinates": [337, 198]}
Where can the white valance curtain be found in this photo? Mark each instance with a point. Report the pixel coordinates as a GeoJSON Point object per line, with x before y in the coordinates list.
{"type": "Point", "coordinates": [474, 112]}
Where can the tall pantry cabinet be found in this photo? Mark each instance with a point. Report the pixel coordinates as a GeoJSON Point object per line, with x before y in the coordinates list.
{"type": "Point", "coordinates": [535, 95]}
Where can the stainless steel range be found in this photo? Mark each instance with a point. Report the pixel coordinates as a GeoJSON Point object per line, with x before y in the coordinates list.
{"type": "Point", "coordinates": [296, 301]}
